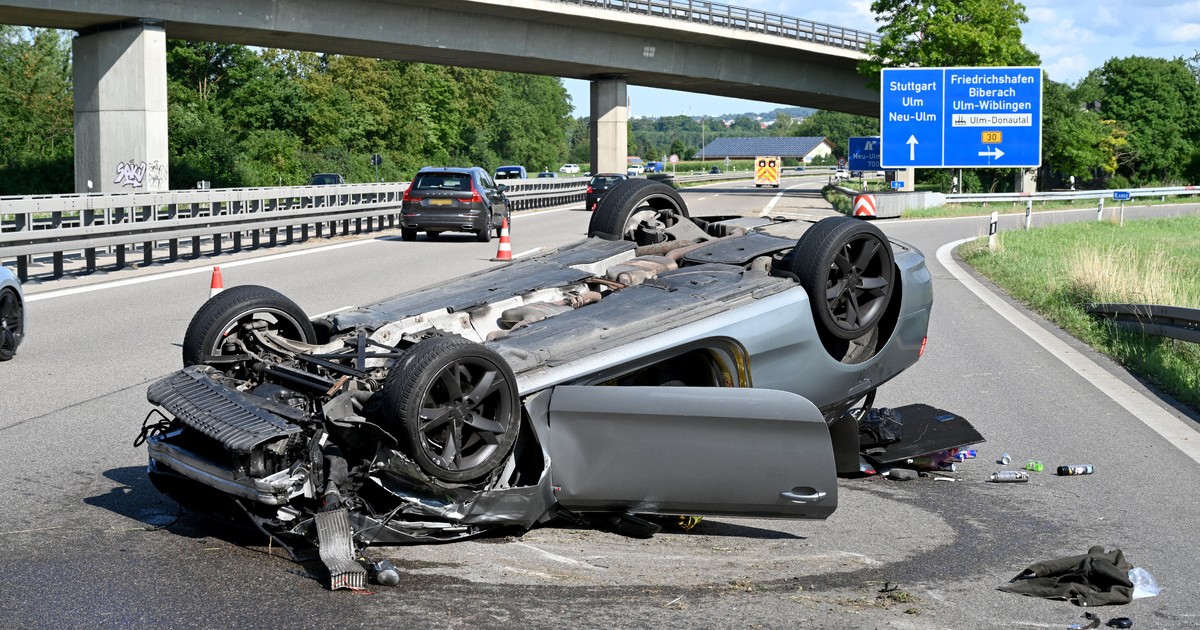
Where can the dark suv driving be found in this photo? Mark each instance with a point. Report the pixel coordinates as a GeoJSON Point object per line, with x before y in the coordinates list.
{"type": "Point", "coordinates": [448, 199]}
{"type": "Point", "coordinates": [600, 185]}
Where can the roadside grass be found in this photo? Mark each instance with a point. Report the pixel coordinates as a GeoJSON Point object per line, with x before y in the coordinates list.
{"type": "Point", "coordinates": [1058, 270]}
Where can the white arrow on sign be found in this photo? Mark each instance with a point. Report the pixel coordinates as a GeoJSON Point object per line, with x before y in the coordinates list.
{"type": "Point", "coordinates": [912, 148]}
{"type": "Point", "coordinates": [995, 153]}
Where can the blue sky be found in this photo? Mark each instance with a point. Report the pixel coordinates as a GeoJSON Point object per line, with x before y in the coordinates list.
{"type": "Point", "coordinates": [1072, 38]}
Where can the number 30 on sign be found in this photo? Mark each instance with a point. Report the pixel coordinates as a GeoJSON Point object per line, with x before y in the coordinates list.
{"type": "Point", "coordinates": [992, 137]}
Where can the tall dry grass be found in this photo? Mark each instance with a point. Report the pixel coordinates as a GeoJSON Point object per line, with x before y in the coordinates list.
{"type": "Point", "coordinates": [1117, 273]}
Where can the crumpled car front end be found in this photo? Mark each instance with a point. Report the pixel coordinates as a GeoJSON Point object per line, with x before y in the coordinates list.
{"type": "Point", "coordinates": [258, 457]}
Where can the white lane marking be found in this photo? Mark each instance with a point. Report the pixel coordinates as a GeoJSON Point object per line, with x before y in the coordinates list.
{"type": "Point", "coordinates": [166, 275]}
{"type": "Point", "coordinates": [336, 310]}
{"type": "Point", "coordinates": [776, 198]}
{"type": "Point", "coordinates": [528, 252]}
{"type": "Point", "coordinates": [48, 295]}
{"type": "Point", "coordinates": [557, 558]}
{"type": "Point", "coordinates": [1180, 434]}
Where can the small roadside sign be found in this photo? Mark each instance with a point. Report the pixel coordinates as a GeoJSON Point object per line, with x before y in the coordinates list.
{"type": "Point", "coordinates": [1122, 195]}
{"type": "Point", "coordinates": [864, 153]}
{"type": "Point", "coordinates": [897, 184]}
{"type": "Point", "coordinates": [674, 158]}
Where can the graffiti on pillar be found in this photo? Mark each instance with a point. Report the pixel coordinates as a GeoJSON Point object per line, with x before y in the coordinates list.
{"type": "Point", "coordinates": [157, 171]}
{"type": "Point", "coordinates": [131, 174]}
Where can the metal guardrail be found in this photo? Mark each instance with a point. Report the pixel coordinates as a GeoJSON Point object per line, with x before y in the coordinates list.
{"type": "Point", "coordinates": [742, 19]}
{"type": "Point", "coordinates": [1067, 195]}
{"type": "Point", "coordinates": [55, 225]}
{"type": "Point", "coordinates": [1175, 322]}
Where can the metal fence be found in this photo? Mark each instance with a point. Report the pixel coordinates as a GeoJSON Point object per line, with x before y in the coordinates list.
{"type": "Point", "coordinates": [1069, 195]}
{"type": "Point", "coordinates": [741, 18]}
{"type": "Point", "coordinates": [159, 223]}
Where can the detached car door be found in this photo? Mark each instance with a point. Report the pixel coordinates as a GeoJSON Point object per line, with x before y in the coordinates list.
{"type": "Point", "coordinates": [691, 450]}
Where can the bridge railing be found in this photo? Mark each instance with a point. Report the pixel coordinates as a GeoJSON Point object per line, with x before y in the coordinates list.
{"type": "Point", "coordinates": [158, 223]}
{"type": "Point", "coordinates": [741, 18]}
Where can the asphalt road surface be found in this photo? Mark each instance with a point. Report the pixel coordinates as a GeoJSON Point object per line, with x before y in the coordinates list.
{"type": "Point", "coordinates": [86, 542]}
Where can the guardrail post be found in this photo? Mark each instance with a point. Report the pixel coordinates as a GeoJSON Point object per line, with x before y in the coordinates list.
{"type": "Point", "coordinates": [120, 253]}
{"type": "Point", "coordinates": [148, 253]}
{"type": "Point", "coordinates": [195, 247]}
{"type": "Point", "coordinates": [58, 264]}
{"type": "Point", "coordinates": [992, 231]}
{"type": "Point", "coordinates": [216, 244]}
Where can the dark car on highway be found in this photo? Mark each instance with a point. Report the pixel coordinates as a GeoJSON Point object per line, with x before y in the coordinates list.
{"type": "Point", "coordinates": [448, 199]}
{"type": "Point", "coordinates": [326, 179]}
{"type": "Point", "coordinates": [599, 186]}
{"type": "Point", "coordinates": [12, 314]}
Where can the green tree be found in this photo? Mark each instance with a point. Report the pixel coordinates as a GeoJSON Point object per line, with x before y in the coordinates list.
{"type": "Point", "coordinates": [37, 140]}
{"type": "Point", "coordinates": [936, 33]}
{"type": "Point", "coordinates": [1155, 100]}
{"type": "Point", "coordinates": [838, 128]}
{"type": "Point", "coordinates": [1075, 140]}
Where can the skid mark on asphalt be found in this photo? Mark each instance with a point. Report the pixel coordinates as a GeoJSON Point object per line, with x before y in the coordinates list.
{"type": "Point", "coordinates": [1180, 435]}
{"type": "Point", "coordinates": [560, 559]}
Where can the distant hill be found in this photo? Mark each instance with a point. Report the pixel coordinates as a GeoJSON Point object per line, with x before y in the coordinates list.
{"type": "Point", "coordinates": [794, 112]}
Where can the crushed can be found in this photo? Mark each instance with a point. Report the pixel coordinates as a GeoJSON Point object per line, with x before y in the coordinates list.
{"type": "Point", "coordinates": [1035, 466]}
{"type": "Point", "coordinates": [1082, 469]}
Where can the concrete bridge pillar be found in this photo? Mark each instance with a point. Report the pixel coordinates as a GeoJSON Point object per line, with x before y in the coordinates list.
{"type": "Point", "coordinates": [610, 124]}
{"type": "Point", "coordinates": [120, 81]}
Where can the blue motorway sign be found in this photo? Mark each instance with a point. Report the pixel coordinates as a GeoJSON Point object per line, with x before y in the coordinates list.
{"type": "Point", "coordinates": [864, 154]}
{"type": "Point", "coordinates": [961, 117]}
{"type": "Point", "coordinates": [1121, 195]}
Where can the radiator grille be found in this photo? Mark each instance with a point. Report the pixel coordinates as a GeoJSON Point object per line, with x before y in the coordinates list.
{"type": "Point", "coordinates": [221, 413]}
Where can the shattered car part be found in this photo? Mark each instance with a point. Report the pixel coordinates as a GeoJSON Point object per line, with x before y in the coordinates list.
{"type": "Point", "coordinates": [664, 366]}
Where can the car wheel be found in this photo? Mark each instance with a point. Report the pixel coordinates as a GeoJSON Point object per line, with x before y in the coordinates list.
{"type": "Point", "coordinates": [637, 210]}
{"type": "Point", "coordinates": [846, 266]}
{"type": "Point", "coordinates": [223, 322]}
{"type": "Point", "coordinates": [12, 324]}
{"type": "Point", "coordinates": [408, 234]}
{"type": "Point", "coordinates": [484, 235]}
{"type": "Point", "coordinates": [457, 404]}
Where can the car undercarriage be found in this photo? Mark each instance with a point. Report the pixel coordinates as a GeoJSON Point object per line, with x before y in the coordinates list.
{"type": "Point", "coordinates": [532, 391]}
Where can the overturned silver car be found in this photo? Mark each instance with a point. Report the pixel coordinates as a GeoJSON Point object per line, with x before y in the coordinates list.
{"type": "Point", "coordinates": [666, 365]}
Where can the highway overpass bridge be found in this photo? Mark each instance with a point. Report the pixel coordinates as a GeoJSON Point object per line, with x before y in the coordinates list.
{"type": "Point", "coordinates": [120, 57]}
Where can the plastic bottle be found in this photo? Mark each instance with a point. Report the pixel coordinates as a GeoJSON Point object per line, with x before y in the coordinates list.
{"type": "Point", "coordinates": [1009, 476]}
{"type": "Point", "coordinates": [1035, 466]}
{"type": "Point", "coordinates": [1082, 469]}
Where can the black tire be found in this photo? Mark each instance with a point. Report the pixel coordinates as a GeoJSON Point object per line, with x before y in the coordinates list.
{"type": "Point", "coordinates": [846, 265]}
{"type": "Point", "coordinates": [454, 404]}
{"type": "Point", "coordinates": [408, 234]}
{"type": "Point", "coordinates": [220, 321]}
{"type": "Point", "coordinates": [484, 235]}
{"type": "Point", "coordinates": [12, 323]}
{"type": "Point", "coordinates": [636, 208]}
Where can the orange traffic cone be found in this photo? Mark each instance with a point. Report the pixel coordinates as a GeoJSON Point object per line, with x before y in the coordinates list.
{"type": "Point", "coordinates": [504, 252]}
{"type": "Point", "coordinates": [217, 285]}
